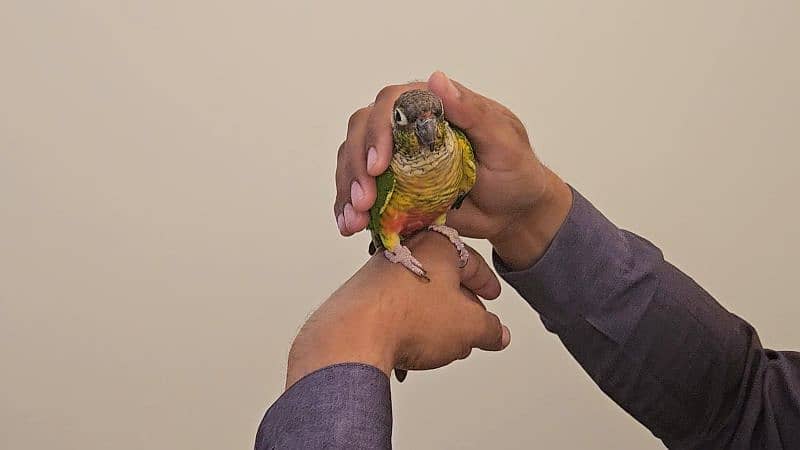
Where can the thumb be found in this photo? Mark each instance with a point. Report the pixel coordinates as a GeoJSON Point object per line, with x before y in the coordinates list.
{"type": "Point", "coordinates": [462, 107]}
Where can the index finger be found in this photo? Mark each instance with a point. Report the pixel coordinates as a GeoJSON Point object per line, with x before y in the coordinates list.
{"type": "Point", "coordinates": [379, 126]}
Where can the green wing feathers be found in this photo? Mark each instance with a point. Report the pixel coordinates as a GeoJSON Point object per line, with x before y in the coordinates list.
{"type": "Point", "coordinates": [385, 187]}
{"type": "Point", "coordinates": [468, 167]}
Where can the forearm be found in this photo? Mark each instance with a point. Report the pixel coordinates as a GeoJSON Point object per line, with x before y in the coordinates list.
{"type": "Point", "coordinates": [356, 330]}
{"type": "Point", "coordinates": [337, 386]}
{"type": "Point", "coordinates": [648, 335]}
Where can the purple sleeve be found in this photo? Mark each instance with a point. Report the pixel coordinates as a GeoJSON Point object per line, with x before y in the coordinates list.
{"type": "Point", "coordinates": [659, 345]}
{"type": "Point", "coordinates": [343, 406]}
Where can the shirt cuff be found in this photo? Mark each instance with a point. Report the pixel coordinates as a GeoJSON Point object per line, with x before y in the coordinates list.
{"type": "Point", "coordinates": [345, 405]}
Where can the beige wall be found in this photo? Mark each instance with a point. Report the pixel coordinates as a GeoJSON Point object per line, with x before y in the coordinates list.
{"type": "Point", "coordinates": [166, 176]}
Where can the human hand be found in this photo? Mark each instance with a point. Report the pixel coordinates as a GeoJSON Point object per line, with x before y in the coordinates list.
{"type": "Point", "coordinates": [517, 203]}
{"type": "Point", "coordinates": [385, 317]}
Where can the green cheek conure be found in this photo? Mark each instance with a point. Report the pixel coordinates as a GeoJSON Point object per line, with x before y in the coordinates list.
{"type": "Point", "coordinates": [432, 170]}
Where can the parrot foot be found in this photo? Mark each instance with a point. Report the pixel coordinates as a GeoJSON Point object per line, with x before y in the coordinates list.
{"type": "Point", "coordinates": [452, 235]}
{"type": "Point", "coordinates": [403, 256]}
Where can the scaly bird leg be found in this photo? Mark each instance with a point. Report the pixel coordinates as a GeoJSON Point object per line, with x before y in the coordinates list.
{"type": "Point", "coordinates": [452, 235]}
{"type": "Point", "coordinates": [402, 255]}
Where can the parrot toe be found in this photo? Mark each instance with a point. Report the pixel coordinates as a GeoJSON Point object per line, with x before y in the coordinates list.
{"type": "Point", "coordinates": [463, 258]}
{"type": "Point", "coordinates": [402, 255]}
{"type": "Point", "coordinates": [452, 235]}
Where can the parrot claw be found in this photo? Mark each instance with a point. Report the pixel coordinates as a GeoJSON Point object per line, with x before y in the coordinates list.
{"type": "Point", "coordinates": [403, 256]}
{"type": "Point", "coordinates": [452, 235]}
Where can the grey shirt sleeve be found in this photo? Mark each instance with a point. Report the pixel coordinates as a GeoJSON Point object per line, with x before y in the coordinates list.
{"type": "Point", "coordinates": [657, 343]}
{"type": "Point", "coordinates": [343, 406]}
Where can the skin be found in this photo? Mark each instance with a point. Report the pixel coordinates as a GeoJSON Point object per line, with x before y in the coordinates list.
{"type": "Point", "coordinates": [518, 204]}
{"type": "Point", "coordinates": [383, 316]}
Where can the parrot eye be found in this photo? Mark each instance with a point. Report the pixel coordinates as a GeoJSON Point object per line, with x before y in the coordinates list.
{"type": "Point", "coordinates": [399, 117]}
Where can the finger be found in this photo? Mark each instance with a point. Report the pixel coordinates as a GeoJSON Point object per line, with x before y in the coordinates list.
{"type": "Point", "coordinates": [488, 333]}
{"type": "Point", "coordinates": [353, 185]}
{"type": "Point", "coordinates": [361, 185]}
{"type": "Point", "coordinates": [471, 295]}
{"type": "Point", "coordinates": [341, 193]}
{"type": "Point", "coordinates": [354, 221]}
{"type": "Point", "coordinates": [379, 129]}
{"type": "Point", "coordinates": [478, 277]}
{"type": "Point", "coordinates": [344, 173]}
{"type": "Point", "coordinates": [462, 107]}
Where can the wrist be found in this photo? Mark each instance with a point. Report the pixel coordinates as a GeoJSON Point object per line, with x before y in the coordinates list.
{"type": "Point", "coordinates": [524, 241]}
{"type": "Point", "coordinates": [342, 330]}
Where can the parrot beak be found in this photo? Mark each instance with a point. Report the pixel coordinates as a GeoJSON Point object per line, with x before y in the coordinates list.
{"type": "Point", "coordinates": [426, 130]}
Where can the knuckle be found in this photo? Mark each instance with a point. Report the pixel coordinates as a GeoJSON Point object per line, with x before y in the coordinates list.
{"type": "Point", "coordinates": [356, 116]}
{"type": "Point", "coordinates": [342, 187]}
{"type": "Point", "coordinates": [484, 281]}
{"type": "Point", "coordinates": [471, 269]}
{"type": "Point", "coordinates": [483, 106]}
{"type": "Point", "coordinates": [338, 206]}
{"type": "Point", "coordinates": [341, 168]}
{"type": "Point", "coordinates": [371, 135]}
{"type": "Point", "coordinates": [493, 320]}
{"type": "Point", "coordinates": [386, 92]}
{"type": "Point", "coordinates": [517, 125]}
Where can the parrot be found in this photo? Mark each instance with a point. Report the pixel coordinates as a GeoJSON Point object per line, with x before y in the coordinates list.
{"type": "Point", "coordinates": [432, 170]}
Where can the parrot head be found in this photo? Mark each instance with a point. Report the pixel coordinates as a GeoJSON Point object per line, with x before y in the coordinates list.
{"type": "Point", "coordinates": [416, 119]}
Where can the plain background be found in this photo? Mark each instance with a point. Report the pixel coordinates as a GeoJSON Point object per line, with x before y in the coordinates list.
{"type": "Point", "coordinates": [166, 182]}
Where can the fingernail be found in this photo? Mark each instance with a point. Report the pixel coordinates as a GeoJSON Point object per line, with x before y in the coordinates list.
{"type": "Point", "coordinates": [506, 339]}
{"type": "Point", "coordinates": [340, 222]}
{"type": "Point", "coordinates": [356, 193]}
{"type": "Point", "coordinates": [349, 214]}
{"type": "Point", "coordinates": [372, 157]}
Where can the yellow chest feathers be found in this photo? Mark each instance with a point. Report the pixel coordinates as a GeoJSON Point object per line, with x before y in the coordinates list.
{"type": "Point", "coordinates": [428, 179]}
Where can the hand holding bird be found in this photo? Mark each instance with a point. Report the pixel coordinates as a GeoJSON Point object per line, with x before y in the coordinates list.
{"type": "Point", "coordinates": [516, 203]}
